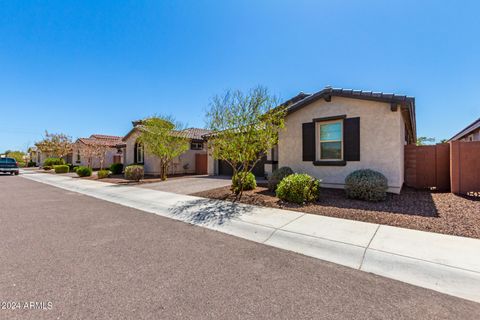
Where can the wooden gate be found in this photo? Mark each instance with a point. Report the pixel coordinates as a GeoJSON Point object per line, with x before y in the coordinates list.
{"type": "Point", "coordinates": [201, 163]}
{"type": "Point", "coordinates": [428, 167]}
{"type": "Point", "coordinates": [465, 167]}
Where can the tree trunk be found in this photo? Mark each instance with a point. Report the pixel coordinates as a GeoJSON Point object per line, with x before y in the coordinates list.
{"type": "Point", "coordinates": [164, 171]}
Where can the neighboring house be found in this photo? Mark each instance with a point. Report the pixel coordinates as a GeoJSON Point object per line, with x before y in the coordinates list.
{"type": "Point", "coordinates": [193, 161]}
{"type": "Point", "coordinates": [36, 155]}
{"type": "Point", "coordinates": [470, 133]}
{"type": "Point", "coordinates": [333, 132]}
{"type": "Point", "coordinates": [83, 151]}
{"type": "Point", "coordinates": [39, 157]}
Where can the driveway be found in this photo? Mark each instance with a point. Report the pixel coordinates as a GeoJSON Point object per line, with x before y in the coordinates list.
{"type": "Point", "coordinates": [189, 184]}
{"type": "Point", "coordinates": [93, 259]}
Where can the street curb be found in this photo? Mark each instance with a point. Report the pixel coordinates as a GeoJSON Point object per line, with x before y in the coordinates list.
{"type": "Point", "coordinates": [364, 246]}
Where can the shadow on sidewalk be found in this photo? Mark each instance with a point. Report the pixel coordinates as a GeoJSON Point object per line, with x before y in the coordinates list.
{"type": "Point", "coordinates": [209, 211]}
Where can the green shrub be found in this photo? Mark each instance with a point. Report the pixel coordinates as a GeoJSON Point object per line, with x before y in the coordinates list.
{"type": "Point", "coordinates": [102, 174]}
{"type": "Point", "coordinates": [277, 176]}
{"type": "Point", "coordinates": [63, 168]}
{"type": "Point", "coordinates": [31, 164]}
{"type": "Point", "coordinates": [50, 162]}
{"type": "Point", "coordinates": [248, 179]}
{"type": "Point", "coordinates": [84, 171]}
{"type": "Point", "coordinates": [298, 188]}
{"type": "Point", "coordinates": [46, 168]}
{"type": "Point", "coordinates": [367, 185]}
{"type": "Point", "coordinates": [134, 172]}
{"type": "Point", "coordinates": [116, 168]}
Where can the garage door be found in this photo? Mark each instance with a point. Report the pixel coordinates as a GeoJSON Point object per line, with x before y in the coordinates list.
{"type": "Point", "coordinates": [224, 169]}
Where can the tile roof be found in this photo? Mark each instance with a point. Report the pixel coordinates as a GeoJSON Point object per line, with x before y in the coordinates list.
{"type": "Point", "coordinates": [195, 133]}
{"type": "Point", "coordinates": [100, 139]}
{"type": "Point", "coordinates": [348, 93]}
{"type": "Point", "coordinates": [407, 102]}
{"type": "Point", "coordinates": [103, 136]}
{"type": "Point", "coordinates": [190, 133]}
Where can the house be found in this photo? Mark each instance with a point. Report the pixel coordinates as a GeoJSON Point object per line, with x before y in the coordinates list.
{"type": "Point", "coordinates": [36, 155]}
{"type": "Point", "coordinates": [470, 133]}
{"type": "Point", "coordinates": [39, 157]}
{"type": "Point", "coordinates": [88, 151]}
{"type": "Point", "coordinates": [333, 132]}
{"type": "Point", "coordinates": [193, 161]}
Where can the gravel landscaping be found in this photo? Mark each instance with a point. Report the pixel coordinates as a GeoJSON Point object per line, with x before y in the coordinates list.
{"type": "Point", "coordinates": [422, 210]}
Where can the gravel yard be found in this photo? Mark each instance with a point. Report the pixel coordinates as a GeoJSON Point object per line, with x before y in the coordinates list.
{"type": "Point", "coordinates": [422, 210]}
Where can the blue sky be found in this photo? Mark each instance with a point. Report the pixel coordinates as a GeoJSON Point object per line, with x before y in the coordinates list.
{"type": "Point", "coordinates": [84, 67]}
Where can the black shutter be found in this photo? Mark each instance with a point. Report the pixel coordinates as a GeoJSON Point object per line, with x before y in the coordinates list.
{"type": "Point", "coordinates": [135, 153]}
{"type": "Point", "coordinates": [351, 139]}
{"type": "Point", "coordinates": [308, 141]}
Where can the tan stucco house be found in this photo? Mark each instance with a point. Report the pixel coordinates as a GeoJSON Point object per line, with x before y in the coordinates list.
{"type": "Point", "coordinates": [36, 155]}
{"type": "Point", "coordinates": [333, 132]}
{"type": "Point", "coordinates": [193, 161]}
{"type": "Point", "coordinates": [81, 151]}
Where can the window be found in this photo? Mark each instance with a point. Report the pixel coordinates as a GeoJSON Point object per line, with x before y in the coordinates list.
{"type": "Point", "coordinates": [196, 146]}
{"type": "Point", "coordinates": [330, 140]}
{"type": "Point", "coordinates": [78, 156]}
{"type": "Point", "coordinates": [139, 152]}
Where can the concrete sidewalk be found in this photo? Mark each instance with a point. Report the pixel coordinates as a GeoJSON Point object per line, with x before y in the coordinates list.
{"type": "Point", "coordinates": [439, 262]}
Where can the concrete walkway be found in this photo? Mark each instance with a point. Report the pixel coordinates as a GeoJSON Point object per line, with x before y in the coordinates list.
{"type": "Point", "coordinates": [188, 184]}
{"type": "Point", "coordinates": [444, 263]}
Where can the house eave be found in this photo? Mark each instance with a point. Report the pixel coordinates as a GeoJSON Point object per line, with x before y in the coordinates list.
{"type": "Point", "coordinates": [406, 103]}
{"type": "Point", "coordinates": [469, 129]}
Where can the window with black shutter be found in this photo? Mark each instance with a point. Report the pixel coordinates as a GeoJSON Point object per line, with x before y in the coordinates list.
{"type": "Point", "coordinates": [331, 141]}
{"type": "Point", "coordinates": [351, 143]}
{"type": "Point", "coordinates": [308, 141]}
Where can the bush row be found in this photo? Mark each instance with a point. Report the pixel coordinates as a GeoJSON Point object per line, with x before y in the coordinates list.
{"type": "Point", "coordinates": [364, 184]}
{"type": "Point", "coordinates": [61, 168]}
{"type": "Point", "coordinates": [246, 178]}
{"type": "Point", "coordinates": [134, 172]}
{"type": "Point", "coordinates": [102, 174]}
{"type": "Point", "coordinates": [50, 162]}
{"type": "Point", "coordinates": [298, 188]}
{"type": "Point", "coordinates": [116, 168]}
{"type": "Point", "coordinates": [367, 185]}
{"type": "Point", "coordinates": [83, 171]}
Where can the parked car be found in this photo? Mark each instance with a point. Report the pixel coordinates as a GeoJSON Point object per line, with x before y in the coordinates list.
{"type": "Point", "coordinates": [9, 165]}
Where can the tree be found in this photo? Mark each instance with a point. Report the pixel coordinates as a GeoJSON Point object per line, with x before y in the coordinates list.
{"type": "Point", "coordinates": [421, 141]}
{"type": "Point", "coordinates": [164, 138]}
{"type": "Point", "coordinates": [94, 150]}
{"type": "Point", "coordinates": [245, 127]}
{"type": "Point", "coordinates": [55, 144]}
{"type": "Point", "coordinates": [19, 156]}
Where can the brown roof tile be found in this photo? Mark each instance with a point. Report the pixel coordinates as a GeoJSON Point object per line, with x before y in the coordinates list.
{"type": "Point", "coordinates": [100, 139]}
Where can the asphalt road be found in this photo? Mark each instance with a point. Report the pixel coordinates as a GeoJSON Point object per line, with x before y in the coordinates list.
{"type": "Point", "coordinates": [92, 259]}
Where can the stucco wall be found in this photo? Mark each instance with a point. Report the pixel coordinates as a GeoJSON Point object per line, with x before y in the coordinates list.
{"type": "Point", "coordinates": [211, 163]}
{"type": "Point", "coordinates": [381, 141]}
{"type": "Point", "coordinates": [95, 161]}
{"type": "Point", "coordinates": [40, 158]}
{"type": "Point", "coordinates": [152, 163]}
